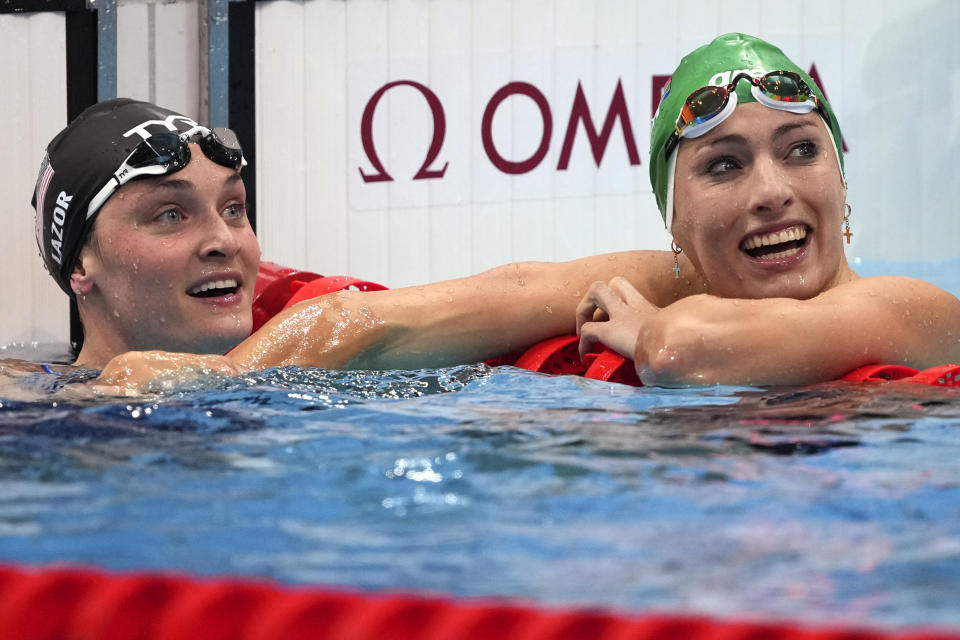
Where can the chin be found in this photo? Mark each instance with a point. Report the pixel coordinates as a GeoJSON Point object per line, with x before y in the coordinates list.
{"type": "Point", "coordinates": [219, 341]}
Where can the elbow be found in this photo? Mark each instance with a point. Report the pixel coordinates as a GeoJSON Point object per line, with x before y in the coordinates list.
{"type": "Point", "coordinates": [661, 366]}
{"type": "Point", "coordinates": [671, 354]}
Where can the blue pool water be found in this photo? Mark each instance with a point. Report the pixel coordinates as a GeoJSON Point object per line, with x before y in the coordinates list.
{"type": "Point", "coordinates": [831, 503]}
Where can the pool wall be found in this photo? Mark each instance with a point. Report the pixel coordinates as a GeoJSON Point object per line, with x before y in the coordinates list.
{"type": "Point", "coordinates": [338, 192]}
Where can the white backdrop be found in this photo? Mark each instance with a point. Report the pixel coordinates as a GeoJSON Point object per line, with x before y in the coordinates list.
{"type": "Point", "coordinates": [889, 68]}
{"type": "Point", "coordinates": [157, 60]}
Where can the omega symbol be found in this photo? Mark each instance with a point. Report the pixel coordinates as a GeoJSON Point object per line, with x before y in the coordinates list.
{"type": "Point", "coordinates": [439, 132]}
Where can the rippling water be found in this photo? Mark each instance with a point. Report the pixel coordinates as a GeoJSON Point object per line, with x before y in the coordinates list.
{"type": "Point", "coordinates": [837, 502]}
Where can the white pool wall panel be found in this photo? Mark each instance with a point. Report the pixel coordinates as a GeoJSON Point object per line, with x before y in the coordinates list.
{"type": "Point", "coordinates": [33, 107]}
{"type": "Point", "coordinates": [888, 67]}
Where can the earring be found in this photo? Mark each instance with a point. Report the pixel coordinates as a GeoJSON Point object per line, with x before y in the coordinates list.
{"type": "Point", "coordinates": [77, 291]}
{"type": "Point", "coordinates": [846, 223]}
{"type": "Point", "coordinates": [676, 263]}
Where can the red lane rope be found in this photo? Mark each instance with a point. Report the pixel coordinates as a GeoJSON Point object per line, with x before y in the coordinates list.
{"type": "Point", "coordinates": [84, 604]}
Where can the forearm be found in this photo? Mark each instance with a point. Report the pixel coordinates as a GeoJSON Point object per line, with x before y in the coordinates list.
{"type": "Point", "coordinates": [458, 321]}
{"type": "Point", "coordinates": [709, 340]}
{"type": "Point", "coordinates": [890, 320]}
{"type": "Point", "coordinates": [471, 319]}
{"type": "Point", "coordinates": [504, 309]}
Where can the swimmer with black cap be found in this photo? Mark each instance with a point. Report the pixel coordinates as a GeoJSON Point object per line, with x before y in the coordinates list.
{"type": "Point", "coordinates": [747, 173]}
{"type": "Point", "coordinates": [141, 216]}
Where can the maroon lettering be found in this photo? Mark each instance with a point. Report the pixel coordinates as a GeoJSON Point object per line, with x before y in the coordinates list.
{"type": "Point", "coordinates": [598, 144]}
{"type": "Point", "coordinates": [511, 89]}
{"type": "Point", "coordinates": [439, 132]}
{"type": "Point", "coordinates": [823, 90]}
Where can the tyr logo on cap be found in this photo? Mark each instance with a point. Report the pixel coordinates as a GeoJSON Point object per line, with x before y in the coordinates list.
{"type": "Point", "coordinates": [168, 123]}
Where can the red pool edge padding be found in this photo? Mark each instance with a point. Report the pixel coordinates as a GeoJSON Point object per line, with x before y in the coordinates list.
{"type": "Point", "coordinates": [68, 603]}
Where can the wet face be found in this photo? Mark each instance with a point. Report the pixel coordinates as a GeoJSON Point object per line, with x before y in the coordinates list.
{"type": "Point", "coordinates": [172, 261]}
{"type": "Point", "coordinates": [759, 203]}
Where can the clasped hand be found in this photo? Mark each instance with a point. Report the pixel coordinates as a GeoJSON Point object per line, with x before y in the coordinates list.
{"type": "Point", "coordinates": [613, 314]}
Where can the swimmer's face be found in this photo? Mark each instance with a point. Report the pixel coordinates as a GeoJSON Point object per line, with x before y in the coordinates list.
{"type": "Point", "coordinates": [761, 176]}
{"type": "Point", "coordinates": [173, 260]}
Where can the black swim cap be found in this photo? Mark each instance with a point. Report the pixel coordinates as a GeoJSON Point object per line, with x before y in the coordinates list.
{"type": "Point", "coordinates": [80, 160]}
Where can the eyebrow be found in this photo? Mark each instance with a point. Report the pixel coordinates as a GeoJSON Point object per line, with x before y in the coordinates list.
{"type": "Point", "coordinates": [784, 129]}
{"type": "Point", "coordinates": [179, 184]}
{"type": "Point", "coordinates": [176, 184]}
{"type": "Point", "coordinates": [736, 138]}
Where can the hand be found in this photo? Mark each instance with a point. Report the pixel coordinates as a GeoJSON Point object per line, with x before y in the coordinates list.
{"type": "Point", "coordinates": [137, 372]}
{"type": "Point", "coordinates": [612, 314]}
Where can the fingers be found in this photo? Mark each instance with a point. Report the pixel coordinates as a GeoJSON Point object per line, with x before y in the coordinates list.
{"type": "Point", "coordinates": [630, 296]}
{"type": "Point", "coordinates": [620, 336]}
{"type": "Point", "coordinates": [600, 297]}
{"type": "Point", "coordinates": [588, 338]}
{"type": "Point", "coordinates": [612, 314]}
{"type": "Point", "coordinates": [611, 300]}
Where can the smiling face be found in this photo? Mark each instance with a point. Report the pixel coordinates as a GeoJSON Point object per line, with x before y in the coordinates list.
{"type": "Point", "coordinates": [759, 205]}
{"type": "Point", "coordinates": [171, 264]}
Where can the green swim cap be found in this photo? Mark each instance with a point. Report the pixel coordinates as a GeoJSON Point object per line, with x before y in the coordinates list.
{"type": "Point", "coordinates": [716, 64]}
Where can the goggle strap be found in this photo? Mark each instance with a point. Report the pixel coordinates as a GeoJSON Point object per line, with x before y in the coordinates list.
{"type": "Point", "coordinates": [671, 180]}
{"type": "Point", "coordinates": [198, 131]}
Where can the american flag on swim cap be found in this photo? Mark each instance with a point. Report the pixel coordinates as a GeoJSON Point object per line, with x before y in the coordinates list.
{"type": "Point", "coordinates": [43, 183]}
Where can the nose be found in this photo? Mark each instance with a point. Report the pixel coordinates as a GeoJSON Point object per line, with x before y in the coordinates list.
{"type": "Point", "coordinates": [771, 190]}
{"type": "Point", "coordinates": [220, 239]}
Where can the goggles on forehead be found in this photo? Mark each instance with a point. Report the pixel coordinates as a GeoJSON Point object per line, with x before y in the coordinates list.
{"type": "Point", "coordinates": [165, 153]}
{"type": "Point", "coordinates": [708, 106]}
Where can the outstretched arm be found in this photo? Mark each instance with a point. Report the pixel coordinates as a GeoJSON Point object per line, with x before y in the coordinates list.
{"type": "Point", "coordinates": [703, 339]}
{"type": "Point", "coordinates": [465, 320]}
{"type": "Point", "coordinates": [453, 322]}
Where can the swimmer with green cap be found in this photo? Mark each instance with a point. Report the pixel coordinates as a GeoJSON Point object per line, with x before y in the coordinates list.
{"type": "Point", "coordinates": [746, 169]}
{"type": "Point", "coordinates": [747, 172]}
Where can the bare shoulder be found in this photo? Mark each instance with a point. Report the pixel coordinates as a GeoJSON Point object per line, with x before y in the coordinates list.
{"type": "Point", "coordinates": [910, 315]}
{"type": "Point", "coordinates": [896, 291]}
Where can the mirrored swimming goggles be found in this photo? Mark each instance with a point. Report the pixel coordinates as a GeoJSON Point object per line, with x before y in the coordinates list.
{"type": "Point", "coordinates": [708, 106]}
{"type": "Point", "coordinates": [165, 153]}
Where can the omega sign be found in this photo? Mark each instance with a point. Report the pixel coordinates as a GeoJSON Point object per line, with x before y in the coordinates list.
{"type": "Point", "coordinates": [580, 115]}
